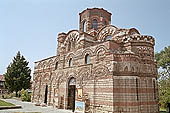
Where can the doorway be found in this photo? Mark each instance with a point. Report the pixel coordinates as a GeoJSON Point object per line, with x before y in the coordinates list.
{"type": "Point", "coordinates": [46, 93]}
{"type": "Point", "coordinates": [71, 94]}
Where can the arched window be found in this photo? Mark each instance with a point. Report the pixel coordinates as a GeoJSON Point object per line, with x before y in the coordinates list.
{"type": "Point", "coordinates": [84, 26]}
{"type": "Point", "coordinates": [87, 59]}
{"type": "Point", "coordinates": [73, 44]}
{"type": "Point", "coordinates": [56, 65]}
{"type": "Point", "coordinates": [126, 69]}
{"type": "Point", "coordinates": [69, 46]}
{"type": "Point", "coordinates": [95, 24]}
{"type": "Point", "coordinates": [105, 23]}
{"type": "Point", "coordinates": [70, 62]}
{"type": "Point", "coordinates": [154, 88]}
{"type": "Point", "coordinates": [72, 81]}
{"type": "Point", "coordinates": [109, 37]}
{"type": "Point", "coordinates": [137, 92]}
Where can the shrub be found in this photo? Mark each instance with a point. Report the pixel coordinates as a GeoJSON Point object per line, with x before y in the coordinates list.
{"type": "Point", "coordinates": [7, 95]}
{"type": "Point", "coordinates": [24, 95]}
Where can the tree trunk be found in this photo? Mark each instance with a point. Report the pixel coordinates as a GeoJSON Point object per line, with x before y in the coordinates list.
{"type": "Point", "coordinates": [16, 93]}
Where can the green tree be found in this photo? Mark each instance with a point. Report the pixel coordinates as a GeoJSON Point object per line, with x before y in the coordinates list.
{"type": "Point", "coordinates": [18, 74]}
{"type": "Point", "coordinates": [163, 61]}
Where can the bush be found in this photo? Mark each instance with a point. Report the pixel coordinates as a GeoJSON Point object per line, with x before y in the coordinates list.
{"type": "Point", "coordinates": [24, 95]}
{"type": "Point", "coordinates": [8, 95]}
{"type": "Point", "coordinates": [5, 96]}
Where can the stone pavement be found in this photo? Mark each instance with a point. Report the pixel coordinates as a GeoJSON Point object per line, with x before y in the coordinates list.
{"type": "Point", "coordinates": [30, 107]}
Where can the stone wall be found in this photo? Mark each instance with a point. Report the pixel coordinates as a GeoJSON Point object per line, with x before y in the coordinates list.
{"type": "Point", "coordinates": [120, 78]}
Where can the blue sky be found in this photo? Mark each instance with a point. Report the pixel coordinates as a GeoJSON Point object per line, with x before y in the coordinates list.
{"type": "Point", "coordinates": [31, 26]}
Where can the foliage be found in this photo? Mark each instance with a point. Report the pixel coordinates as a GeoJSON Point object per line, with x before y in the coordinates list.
{"type": "Point", "coordinates": [162, 109]}
{"type": "Point", "coordinates": [8, 95]}
{"type": "Point", "coordinates": [163, 61]}
{"type": "Point", "coordinates": [18, 74]}
{"type": "Point", "coordinates": [24, 95]}
{"type": "Point", "coordinates": [3, 103]}
{"type": "Point", "coordinates": [164, 92]}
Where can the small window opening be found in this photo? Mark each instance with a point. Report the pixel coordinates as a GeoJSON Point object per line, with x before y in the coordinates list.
{"type": "Point", "coordinates": [109, 37]}
{"type": "Point", "coordinates": [137, 95]}
{"type": "Point", "coordinates": [84, 26]}
{"type": "Point", "coordinates": [105, 23]}
{"type": "Point", "coordinates": [73, 44]}
{"type": "Point", "coordinates": [70, 62]}
{"type": "Point", "coordinates": [56, 65]}
{"type": "Point", "coordinates": [154, 89]}
{"type": "Point", "coordinates": [69, 46]}
{"type": "Point", "coordinates": [87, 59]}
{"type": "Point", "coordinates": [94, 24]}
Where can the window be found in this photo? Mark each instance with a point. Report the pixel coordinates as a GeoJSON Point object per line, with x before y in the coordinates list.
{"type": "Point", "coordinates": [105, 23]}
{"type": "Point", "coordinates": [1, 83]}
{"type": "Point", "coordinates": [87, 59]}
{"type": "Point", "coordinates": [137, 95]}
{"type": "Point", "coordinates": [95, 24]}
{"type": "Point", "coordinates": [109, 37]}
{"type": "Point", "coordinates": [72, 81]}
{"type": "Point", "coordinates": [84, 26]}
{"type": "Point", "coordinates": [69, 46]}
{"type": "Point", "coordinates": [73, 44]}
{"type": "Point", "coordinates": [154, 88]}
{"type": "Point", "coordinates": [70, 62]}
{"type": "Point", "coordinates": [56, 65]}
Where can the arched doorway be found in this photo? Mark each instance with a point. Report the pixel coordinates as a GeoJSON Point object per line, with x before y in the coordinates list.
{"type": "Point", "coordinates": [71, 93]}
{"type": "Point", "coordinates": [46, 93]}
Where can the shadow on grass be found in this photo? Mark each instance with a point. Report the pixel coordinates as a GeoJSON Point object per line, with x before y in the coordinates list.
{"type": "Point", "coordinates": [3, 103]}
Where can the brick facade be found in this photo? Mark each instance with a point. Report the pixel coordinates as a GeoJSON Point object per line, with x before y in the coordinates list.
{"type": "Point", "coordinates": [120, 75]}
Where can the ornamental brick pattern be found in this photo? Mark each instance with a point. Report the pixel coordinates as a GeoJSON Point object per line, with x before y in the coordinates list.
{"type": "Point", "coordinates": [114, 67]}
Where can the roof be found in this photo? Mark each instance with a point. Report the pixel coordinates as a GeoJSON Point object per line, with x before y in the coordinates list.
{"type": "Point", "coordinates": [2, 78]}
{"type": "Point", "coordinates": [44, 59]}
{"type": "Point", "coordinates": [89, 9]}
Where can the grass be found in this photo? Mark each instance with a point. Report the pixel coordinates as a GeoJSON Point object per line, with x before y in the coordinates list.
{"type": "Point", "coordinates": [162, 110]}
{"type": "Point", "coordinates": [3, 103]}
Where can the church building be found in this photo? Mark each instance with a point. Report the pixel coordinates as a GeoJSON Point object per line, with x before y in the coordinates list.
{"type": "Point", "coordinates": [109, 69]}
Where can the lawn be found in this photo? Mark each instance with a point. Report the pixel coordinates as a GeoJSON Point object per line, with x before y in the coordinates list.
{"type": "Point", "coordinates": [3, 103]}
{"type": "Point", "coordinates": [162, 110]}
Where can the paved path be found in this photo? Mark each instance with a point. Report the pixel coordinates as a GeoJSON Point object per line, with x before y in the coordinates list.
{"type": "Point", "coordinates": [29, 107]}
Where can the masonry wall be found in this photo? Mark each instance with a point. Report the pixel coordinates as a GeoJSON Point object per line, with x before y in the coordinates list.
{"type": "Point", "coordinates": [148, 95]}
{"type": "Point", "coordinates": [120, 78]}
{"type": "Point", "coordinates": [104, 89]}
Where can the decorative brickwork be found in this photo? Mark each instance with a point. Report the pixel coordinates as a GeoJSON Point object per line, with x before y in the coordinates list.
{"type": "Point", "coordinates": [118, 76]}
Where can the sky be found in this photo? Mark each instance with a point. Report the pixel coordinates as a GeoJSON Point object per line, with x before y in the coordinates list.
{"type": "Point", "coordinates": [32, 26]}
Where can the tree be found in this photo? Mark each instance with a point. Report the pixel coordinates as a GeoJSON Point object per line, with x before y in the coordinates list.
{"type": "Point", "coordinates": [163, 61]}
{"type": "Point", "coordinates": [18, 74]}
